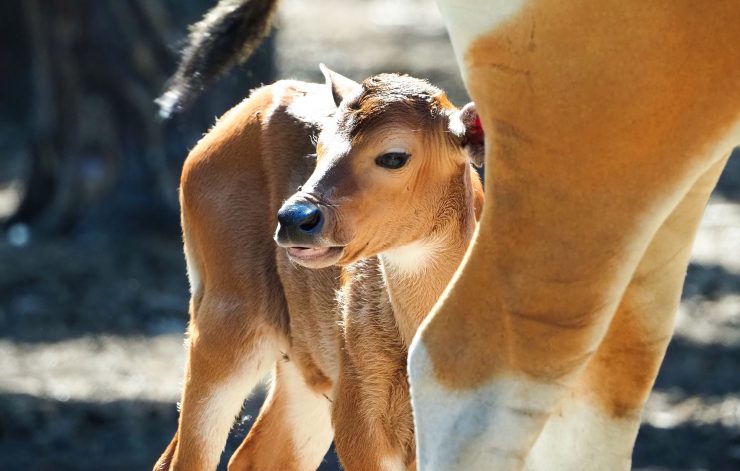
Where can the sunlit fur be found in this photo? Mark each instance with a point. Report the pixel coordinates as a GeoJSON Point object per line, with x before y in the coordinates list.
{"type": "Point", "coordinates": [608, 122]}
{"type": "Point", "coordinates": [372, 212]}
{"type": "Point", "coordinates": [607, 125]}
{"type": "Point", "coordinates": [248, 299]}
{"type": "Point", "coordinates": [338, 345]}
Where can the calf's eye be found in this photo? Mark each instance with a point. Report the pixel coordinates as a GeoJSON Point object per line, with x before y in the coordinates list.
{"type": "Point", "coordinates": [392, 160]}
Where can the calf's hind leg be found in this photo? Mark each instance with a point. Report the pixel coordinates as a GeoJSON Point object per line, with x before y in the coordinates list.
{"type": "Point", "coordinates": [227, 355]}
{"type": "Point", "coordinates": [293, 431]}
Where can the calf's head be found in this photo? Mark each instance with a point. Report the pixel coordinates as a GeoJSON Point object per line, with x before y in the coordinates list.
{"type": "Point", "coordinates": [392, 164]}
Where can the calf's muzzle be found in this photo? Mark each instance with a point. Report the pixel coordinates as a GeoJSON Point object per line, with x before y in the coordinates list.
{"type": "Point", "coordinates": [299, 223]}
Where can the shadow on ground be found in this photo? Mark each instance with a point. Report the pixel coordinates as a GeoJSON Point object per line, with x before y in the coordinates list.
{"type": "Point", "coordinates": [135, 287]}
{"type": "Point", "coordinates": [688, 447]}
{"type": "Point", "coordinates": [49, 435]}
{"type": "Point", "coordinates": [99, 284]}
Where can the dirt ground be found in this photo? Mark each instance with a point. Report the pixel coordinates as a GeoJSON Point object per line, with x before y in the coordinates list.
{"type": "Point", "coordinates": [91, 325]}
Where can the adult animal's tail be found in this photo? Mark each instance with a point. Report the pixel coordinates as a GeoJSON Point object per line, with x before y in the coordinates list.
{"type": "Point", "coordinates": [227, 34]}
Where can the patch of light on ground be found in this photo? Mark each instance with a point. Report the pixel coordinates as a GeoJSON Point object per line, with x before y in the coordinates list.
{"type": "Point", "coordinates": [95, 368]}
{"type": "Point", "coordinates": [10, 198]}
{"type": "Point", "coordinates": [718, 240]}
{"type": "Point", "coordinates": [668, 410]}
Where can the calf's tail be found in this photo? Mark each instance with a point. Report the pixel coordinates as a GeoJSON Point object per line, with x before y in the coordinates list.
{"type": "Point", "coordinates": [227, 34]}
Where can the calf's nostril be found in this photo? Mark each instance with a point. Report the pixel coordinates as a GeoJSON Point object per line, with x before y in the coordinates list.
{"type": "Point", "coordinates": [302, 217]}
{"type": "Point", "coordinates": [311, 221]}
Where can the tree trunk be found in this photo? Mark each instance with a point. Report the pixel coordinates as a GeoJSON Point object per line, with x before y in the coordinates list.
{"type": "Point", "coordinates": [97, 149]}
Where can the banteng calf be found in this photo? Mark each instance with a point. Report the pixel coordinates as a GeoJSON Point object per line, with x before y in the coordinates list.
{"type": "Point", "coordinates": [389, 195]}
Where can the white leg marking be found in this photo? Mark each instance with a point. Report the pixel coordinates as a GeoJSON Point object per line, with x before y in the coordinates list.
{"type": "Point", "coordinates": [488, 428]}
{"type": "Point", "coordinates": [468, 20]}
{"type": "Point", "coordinates": [309, 416]}
{"type": "Point", "coordinates": [392, 463]}
{"type": "Point", "coordinates": [580, 436]}
{"type": "Point", "coordinates": [225, 400]}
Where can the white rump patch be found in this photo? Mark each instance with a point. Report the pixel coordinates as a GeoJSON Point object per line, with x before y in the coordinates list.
{"type": "Point", "coordinates": [413, 258]}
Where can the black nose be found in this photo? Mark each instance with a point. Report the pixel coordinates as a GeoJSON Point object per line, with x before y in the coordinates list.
{"type": "Point", "coordinates": [302, 217]}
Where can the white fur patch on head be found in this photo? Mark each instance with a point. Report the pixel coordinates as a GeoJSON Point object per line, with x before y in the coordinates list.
{"type": "Point", "coordinates": [333, 150]}
{"type": "Point", "coordinates": [412, 259]}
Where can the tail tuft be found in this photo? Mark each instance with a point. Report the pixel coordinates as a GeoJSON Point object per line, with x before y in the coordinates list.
{"type": "Point", "coordinates": [227, 35]}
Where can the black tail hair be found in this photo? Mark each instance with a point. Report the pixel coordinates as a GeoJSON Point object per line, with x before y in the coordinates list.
{"type": "Point", "coordinates": [227, 35]}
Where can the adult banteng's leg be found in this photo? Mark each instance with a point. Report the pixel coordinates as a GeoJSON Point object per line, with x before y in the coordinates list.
{"type": "Point", "coordinates": [587, 157]}
{"type": "Point", "coordinates": [597, 422]}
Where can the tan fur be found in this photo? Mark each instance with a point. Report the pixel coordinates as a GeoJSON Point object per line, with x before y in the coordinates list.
{"type": "Point", "coordinates": [232, 185]}
{"type": "Point", "coordinates": [630, 174]}
{"type": "Point", "coordinates": [381, 312]}
{"type": "Point", "coordinates": [608, 124]}
{"type": "Point", "coordinates": [382, 308]}
{"type": "Point", "coordinates": [253, 308]}
{"type": "Point", "coordinates": [436, 195]}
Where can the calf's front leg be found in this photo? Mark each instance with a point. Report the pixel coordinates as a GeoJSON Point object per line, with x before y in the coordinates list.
{"type": "Point", "coordinates": [293, 431]}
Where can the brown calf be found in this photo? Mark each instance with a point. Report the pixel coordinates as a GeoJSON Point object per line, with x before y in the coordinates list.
{"type": "Point", "coordinates": [390, 196]}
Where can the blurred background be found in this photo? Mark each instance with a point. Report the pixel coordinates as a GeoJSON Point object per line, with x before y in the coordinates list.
{"type": "Point", "coordinates": [93, 294]}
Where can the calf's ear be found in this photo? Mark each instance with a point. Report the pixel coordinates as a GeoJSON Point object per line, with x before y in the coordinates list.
{"type": "Point", "coordinates": [339, 85]}
{"type": "Point", "coordinates": [465, 124]}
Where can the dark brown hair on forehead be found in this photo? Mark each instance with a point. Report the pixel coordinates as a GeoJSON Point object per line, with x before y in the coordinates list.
{"type": "Point", "coordinates": [389, 98]}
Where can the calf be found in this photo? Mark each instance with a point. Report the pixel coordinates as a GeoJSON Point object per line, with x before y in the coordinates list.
{"type": "Point", "coordinates": [389, 196]}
